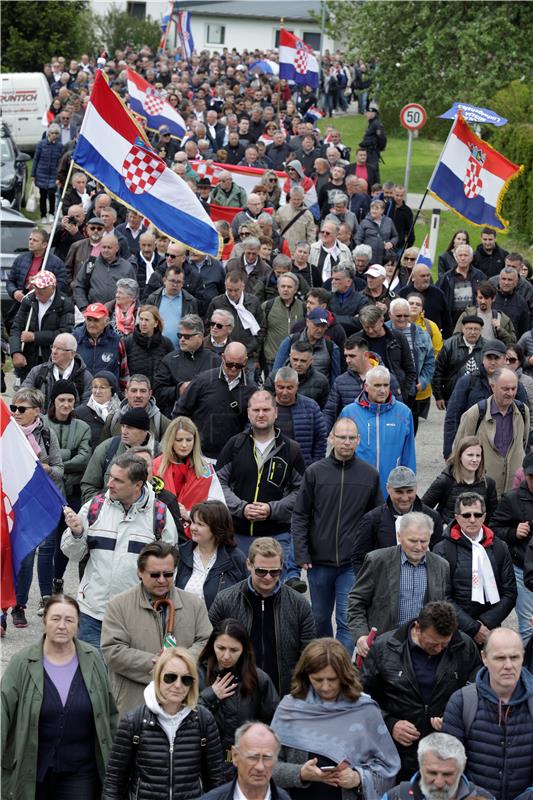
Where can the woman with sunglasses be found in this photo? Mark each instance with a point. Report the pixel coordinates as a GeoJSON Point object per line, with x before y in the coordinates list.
{"type": "Point", "coordinates": [169, 746]}
{"type": "Point", "coordinates": [184, 470]}
{"type": "Point", "coordinates": [232, 687]}
{"type": "Point", "coordinates": [211, 560]}
{"type": "Point", "coordinates": [483, 583]}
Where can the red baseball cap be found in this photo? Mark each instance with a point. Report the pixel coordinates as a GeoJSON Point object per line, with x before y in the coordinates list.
{"type": "Point", "coordinates": [96, 310]}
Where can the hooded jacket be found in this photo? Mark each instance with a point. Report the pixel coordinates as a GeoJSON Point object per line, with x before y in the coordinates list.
{"type": "Point", "coordinates": [145, 352]}
{"type": "Point", "coordinates": [42, 377]}
{"type": "Point", "coordinates": [158, 422]}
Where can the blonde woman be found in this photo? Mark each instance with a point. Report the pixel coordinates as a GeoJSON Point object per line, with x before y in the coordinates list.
{"type": "Point", "coordinates": [169, 746]}
{"type": "Point", "coordinates": [184, 470]}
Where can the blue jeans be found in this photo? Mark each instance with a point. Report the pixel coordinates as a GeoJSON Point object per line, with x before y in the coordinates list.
{"type": "Point", "coordinates": [45, 570]}
{"type": "Point", "coordinates": [90, 630]}
{"type": "Point", "coordinates": [524, 606]}
{"type": "Point", "coordinates": [290, 568]}
{"type": "Point", "coordinates": [329, 588]}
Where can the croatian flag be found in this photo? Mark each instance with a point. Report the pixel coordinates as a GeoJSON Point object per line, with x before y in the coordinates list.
{"type": "Point", "coordinates": [146, 102]}
{"type": "Point", "coordinates": [31, 504]}
{"type": "Point", "coordinates": [115, 152]}
{"type": "Point", "coordinates": [297, 62]}
{"type": "Point", "coordinates": [424, 254]}
{"type": "Point", "coordinates": [471, 177]}
{"type": "Point", "coordinates": [246, 177]}
{"type": "Point", "coordinates": [185, 34]}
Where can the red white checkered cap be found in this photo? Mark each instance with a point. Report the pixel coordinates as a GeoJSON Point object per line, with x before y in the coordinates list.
{"type": "Point", "coordinates": [43, 279]}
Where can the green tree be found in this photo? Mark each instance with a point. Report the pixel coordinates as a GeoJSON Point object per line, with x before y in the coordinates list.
{"type": "Point", "coordinates": [117, 29]}
{"type": "Point", "coordinates": [33, 32]}
{"type": "Point", "coordinates": [437, 52]}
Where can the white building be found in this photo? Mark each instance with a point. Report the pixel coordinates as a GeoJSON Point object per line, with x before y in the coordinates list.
{"type": "Point", "coordinates": [236, 23]}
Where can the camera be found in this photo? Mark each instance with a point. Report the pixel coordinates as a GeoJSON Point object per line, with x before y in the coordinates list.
{"type": "Point", "coordinates": [72, 220]}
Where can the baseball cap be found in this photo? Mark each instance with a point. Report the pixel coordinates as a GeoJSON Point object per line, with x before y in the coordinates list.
{"type": "Point", "coordinates": [204, 182]}
{"type": "Point", "coordinates": [377, 271]}
{"type": "Point", "coordinates": [401, 478]}
{"type": "Point", "coordinates": [527, 464]}
{"type": "Point", "coordinates": [494, 348]}
{"type": "Point", "coordinates": [319, 316]}
{"type": "Point", "coordinates": [372, 107]}
{"type": "Point", "coordinates": [164, 130]}
{"type": "Point", "coordinates": [43, 280]}
{"type": "Point", "coordinates": [96, 310]}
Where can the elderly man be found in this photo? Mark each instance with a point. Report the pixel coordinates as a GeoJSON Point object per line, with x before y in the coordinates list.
{"type": "Point", "coordinates": [459, 284]}
{"type": "Point", "coordinates": [64, 364]}
{"type": "Point", "coordinates": [481, 569]}
{"type": "Point", "coordinates": [221, 327]}
{"type": "Point", "coordinates": [511, 301]}
{"type": "Point", "coordinates": [326, 354]}
{"type": "Point", "coordinates": [435, 303]}
{"type": "Point", "coordinates": [358, 198]}
{"type": "Point", "coordinates": [377, 529]}
{"type": "Point", "coordinates": [281, 313]}
{"type": "Point", "coordinates": [249, 264]}
{"type": "Point", "coordinates": [77, 195]}
{"type": "Point", "coordinates": [340, 214]}
{"type": "Point", "coordinates": [441, 775]}
{"type": "Point", "coordinates": [27, 265]}
{"type": "Point", "coordinates": [96, 281]}
{"type": "Point", "coordinates": [335, 493]}
{"type": "Point", "coordinates": [392, 347]}
{"type": "Point", "coordinates": [345, 301]}
{"type": "Point", "coordinates": [394, 583]}
{"type": "Point", "coordinates": [217, 400]}
{"type": "Point", "coordinates": [109, 217]}
{"type": "Point", "coordinates": [254, 756]}
{"type": "Point", "coordinates": [502, 425]}
{"type": "Point", "coordinates": [499, 702]}
{"type": "Point", "coordinates": [133, 631]}
{"type": "Point", "coordinates": [376, 293]}
{"type": "Point", "coordinates": [147, 262]}
{"type": "Point", "coordinates": [80, 252]}
{"type": "Point", "coordinates": [385, 425]}
{"type": "Point", "coordinates": [412, 673]}
{"type": "Point", "coordinates": [132, 231]}
{"type": "Point", "coordinates": [100, 346]}
{"type": "Point", "coordinates": [251, 212]}
{"type": "Point", "coordinates": [48, 313]}
{"type": "Point", "coordinates": [462, 354]}
{"type": "Point", "coordinates": [328, 252]}
{"type": "Point", "coordinates": [177, 369]}
{"type": "Point", "coordinates": [69, 231]}
{"type": "Point", "coordinates": [299, 417]}
{"type": "Point", "coordinates": [296, 223]}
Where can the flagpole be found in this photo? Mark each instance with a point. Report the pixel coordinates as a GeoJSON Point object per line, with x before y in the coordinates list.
{"type": "Point", "coordinates": [404, 248]}
{"type": "Point", "coordinates": [281, 23]}
{"type": "Point", "coordinates": [322, 29]}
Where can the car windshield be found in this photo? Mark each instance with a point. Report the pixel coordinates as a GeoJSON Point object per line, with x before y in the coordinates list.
{"type": "Point", "coordinates": [6, 150]}
{"type": "Point", "coordinates": [15, 237]}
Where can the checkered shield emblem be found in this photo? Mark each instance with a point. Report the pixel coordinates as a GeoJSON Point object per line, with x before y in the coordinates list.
{"type": "Point", "coordinates": [141, 169]}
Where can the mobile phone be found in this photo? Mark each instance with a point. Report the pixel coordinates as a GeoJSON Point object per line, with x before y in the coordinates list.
{"type": "Point", "coordinates": [327, 769]}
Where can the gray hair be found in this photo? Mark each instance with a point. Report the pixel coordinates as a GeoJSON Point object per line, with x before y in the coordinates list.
{"type": "Point", "coordinates": [444, 746]}
{"type": "Point", "coordinates": [508, 271]}
{"type": "Point", "coordinates": [227, 315]}
{"type": "Point", "coordinates": [79, 175]}
{"type": "Point", "coordinates": [297, 190]}
{"type": "Point", "coordinates": [362, 251]}
{"type": "Point", "coordinates": [243, 729]}
{"type": "Point", "coordinates": [370, 315]}
{"type": "Point", "coordinates": [193, 323]}
{"type": "Point", "coordinates": [286, 374]}
{"type": "Point", "coordinates": [282, 260]}
{"type": "Point", "coordinates": [138, 377]}
{"type": "Point", "coordinates": [253, 242]}
{"type": "Point", "coordinates": [398, 302]}
{"type": "Point", "coordinates": [69, 340]}
{"type": "Point", "coordinates": [32, 396]}
{"type": "Point", "coordinates": [343, 269]}
{"type": "Point", "coordinates": [264, 217]}
{"type": "Point", "coordinates": [53, 128]}
{"type": "Point", "coordinates": [129, 285]}
{"type": "Point", "coordinates": [469, 499]}
{"type": "Point", "coordinates": [470, 250]}
{"type": "Point", "coordinates": [377, 372]}
{"type": "Point", "coordinates": [416, 519]}
{"type": "Point", "coordinates": [293, 278]}
{"type": "Point", "coordinates": [339, 198]}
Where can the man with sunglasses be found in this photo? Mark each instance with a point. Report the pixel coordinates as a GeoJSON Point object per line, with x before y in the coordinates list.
{"type": "Point", "coordinates": [481, 569]}
{"type": "Point", "coordinates": [79, 252]}
{"type": "Point", "coordinates": [133, 631]}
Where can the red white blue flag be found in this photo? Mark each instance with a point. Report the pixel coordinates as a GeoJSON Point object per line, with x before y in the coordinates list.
{"type": "Point", "coordinates": [147, 102]}
{"type": "Point", "coordinates": [31, 504]}
{"type": "Point", "coordinates": [297, 61]}
{"type": "Point", "coordinates": [424, 254]}
{"type": "Point", "coordinates": [185, 34]}
{"type": "Point", "coordinates": [115, 152]}
{"type": "Point", "coordinates": [471, 177]}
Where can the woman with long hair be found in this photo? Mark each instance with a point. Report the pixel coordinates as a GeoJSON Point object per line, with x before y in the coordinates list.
{"type": "Point", "coordinates": [465, 472]}
{"type": "Point", "coordinates": [332, 735]}
{"type": "Point", "coordinates": [232, 687]}
{"type": "Point", "coordinates": [184, 470]}
{"type": "Point", "coordinates": [146, 346]}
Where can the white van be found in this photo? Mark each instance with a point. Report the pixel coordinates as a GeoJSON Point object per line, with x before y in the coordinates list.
{"type": "Point", "coordinates": [24, 100]}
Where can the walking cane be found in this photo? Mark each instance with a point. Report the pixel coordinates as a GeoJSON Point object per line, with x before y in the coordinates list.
{"type": "Point", "coordinates": [169, 640]}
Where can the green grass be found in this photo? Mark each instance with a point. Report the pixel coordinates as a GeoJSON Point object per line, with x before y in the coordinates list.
{"type": "Point", "coordinates": [425, 155]}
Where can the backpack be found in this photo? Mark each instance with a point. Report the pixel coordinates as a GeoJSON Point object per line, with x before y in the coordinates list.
{"type": "Point", "coordinates": [482, 408]}
{"type": "Point", "coordinates": [470, 704]}
{"type": "Point", "coordinates": [160, 514]}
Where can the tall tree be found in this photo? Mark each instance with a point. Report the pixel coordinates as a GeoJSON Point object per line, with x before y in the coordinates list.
{"type": "Point", "coordinates": [117, 29]}
{"type": "Point", "coordinates": [33, 32]}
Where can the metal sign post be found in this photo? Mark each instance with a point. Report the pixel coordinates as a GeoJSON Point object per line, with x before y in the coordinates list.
{"type": "Point", "coordinates": [413, 117]}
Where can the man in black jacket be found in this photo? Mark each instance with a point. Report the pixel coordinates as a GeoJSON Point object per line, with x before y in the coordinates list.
{"type": "Point", "coordinates": [377, 528]}
{"type": "Point", "coordinates": [335, 493]}
{"type": "Point", "coordinates": [488, 256]}
{"type": "Point", "coordinates": [392, 347]}
{"type": "Point", "coordinates": [435, 305]}
{"type": "Point", "coordinates": [460, 355]}
{"type": "Point", "coordinates": [412, 672]}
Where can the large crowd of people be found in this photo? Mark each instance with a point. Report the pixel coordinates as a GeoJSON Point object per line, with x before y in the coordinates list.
{"type": "Point", "coordinates": [235, 435]}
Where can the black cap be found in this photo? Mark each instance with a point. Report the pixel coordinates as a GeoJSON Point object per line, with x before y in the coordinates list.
{"type": "Point", "coordinates": [494, 348]}
{"type": "Point", "coordinates": [63, 387]}
{"type": "Point", "coordinates": [527, 464]}
{"type": "Point", "coordinates": [136, 418]}
{"type": "Point", "coordinates": [472, 318]}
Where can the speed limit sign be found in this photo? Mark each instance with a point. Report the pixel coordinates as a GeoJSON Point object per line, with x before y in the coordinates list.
{"type": "Point", "coordinates": [413, 116]}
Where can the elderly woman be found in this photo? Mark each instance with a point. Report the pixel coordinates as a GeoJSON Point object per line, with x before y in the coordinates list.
{"type": "Point", "coordinates": [44, 170]}
{"type": "Point", "coordinates": [123, 309]}
{"type": "Point", "coordinates": [146, 346]}
{"type": "Point", "coordinates": [26, 408]}
{"type": "Point", "coordinates": [335, 745]}
{"type": "Point", "coordinates": [377, 231]}
{"type": "Point", "coordinates": [104, 400]}
{"type": "Point", "coordinates": [168, 747]}
{"type": "Point", "coordinates": [58, 714]}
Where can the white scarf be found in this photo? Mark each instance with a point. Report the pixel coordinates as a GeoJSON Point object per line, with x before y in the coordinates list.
{"type": "Point", "coordinates": [248, 321]}
{"type": "Point", "coordinates": [332, 253]}
{"type": "Point", "coordinates": [484, 587]}
{"type": "Point", "coordinates": [67, 372]}
{"type": "Point", "coordinates": [101, 409]}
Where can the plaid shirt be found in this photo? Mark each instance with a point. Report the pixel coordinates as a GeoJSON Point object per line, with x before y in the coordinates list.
{"type": "Point", "coordinates": [413, 588]}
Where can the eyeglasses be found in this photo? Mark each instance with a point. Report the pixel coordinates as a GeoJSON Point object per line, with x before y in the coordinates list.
{"type": "Point", "coordinates": [326, 233]}
{"type": "Point", "coordinates": [173, 255]}
{"type": "Point", "coordinates": [156, 575]}
{"type": "Point", "coordinates": [255, 758]}
{"type": "Point", "coordinates": [20, 409]}
{"type": "Point", "coordinates": [402, 316]}
{"type": "Point", "coordinates": [511, 360]}
{"type": "Point", "coordinates": [218, 325]}
{"type": "Point", "coordinates": [186, 335]}
{"type": "Point", "coordinates": [407, 258]}
{"type": "Point", "coordinates": [185, 680]}
{"type": "Point", "coordinates": [95, 227]}
{"type": "Point", "coordinates": [234, 364]}
{"type": "Point", "coordinates": [261, 572]}
{"type": "Point", "coordinates": [62, 349]}
{"type": "Point", "coordinates": [470, 514]}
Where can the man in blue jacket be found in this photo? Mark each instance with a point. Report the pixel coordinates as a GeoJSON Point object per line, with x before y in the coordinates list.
{"type": "Point", "coordinates": [26, 265]}
{"type": "Point", "coordinates": [299, 417]}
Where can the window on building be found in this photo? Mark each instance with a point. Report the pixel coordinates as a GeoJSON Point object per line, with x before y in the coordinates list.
{"type": "Point", "coordinates": [312, 39]}
{"type": "Point", "coordinates": [216, 34]}
{"type": "Point", "coordinates": [277, 36]}
{"type": "Point", "coordinates": [137, 10]}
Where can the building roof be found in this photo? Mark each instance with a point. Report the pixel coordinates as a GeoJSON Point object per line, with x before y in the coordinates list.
{"type": "Point", "coordinates": [295, 10]}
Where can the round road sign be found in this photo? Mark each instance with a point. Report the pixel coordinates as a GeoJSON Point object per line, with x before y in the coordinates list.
{"type": "Point", "coordinates": [413, 116]}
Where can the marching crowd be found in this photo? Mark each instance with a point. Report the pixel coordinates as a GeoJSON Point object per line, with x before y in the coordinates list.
{"type": "Point", "coordinates": [231, 433]}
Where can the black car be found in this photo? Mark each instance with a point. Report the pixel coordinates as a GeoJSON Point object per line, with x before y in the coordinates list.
{"type": "Point", "coordinates": [12, 168]}
{"type": "Point", "coordinates": [14, 240]}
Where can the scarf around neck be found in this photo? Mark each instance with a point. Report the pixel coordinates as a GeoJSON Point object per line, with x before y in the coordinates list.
{"type": "Point", "coordinates": [28, 433]}
{"type": "Point", "coordinates": [248, 321]}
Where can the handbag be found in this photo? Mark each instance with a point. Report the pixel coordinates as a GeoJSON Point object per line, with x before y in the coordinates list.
{"type": "Point", "coordinates": [31, 202]}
